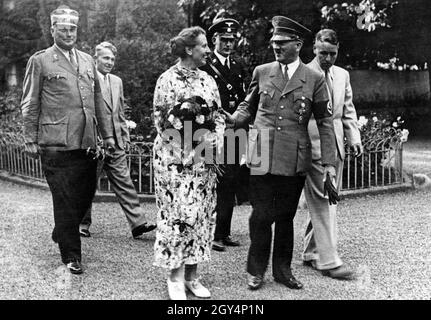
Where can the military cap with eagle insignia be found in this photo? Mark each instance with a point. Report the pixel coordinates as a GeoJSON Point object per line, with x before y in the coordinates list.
{"type": "Point", "coordinates": [287, 29]}
{"type": "Point", "coordinates": [225, 27]}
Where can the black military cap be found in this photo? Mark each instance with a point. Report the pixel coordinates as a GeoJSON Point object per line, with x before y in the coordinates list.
{"type": "Point", "coordinates": [225, 27]}
{"type": "Point", "coordinates": [287, 29]}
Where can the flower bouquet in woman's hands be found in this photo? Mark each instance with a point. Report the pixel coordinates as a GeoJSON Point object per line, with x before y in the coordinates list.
{"type": "Point", "coordinates": [197, 129]}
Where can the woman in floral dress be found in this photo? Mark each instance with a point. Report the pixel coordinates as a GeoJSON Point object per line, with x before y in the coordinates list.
{"type": "Point", "coordinates": [185, 191]}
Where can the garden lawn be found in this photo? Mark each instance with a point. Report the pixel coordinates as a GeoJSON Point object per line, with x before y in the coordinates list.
{"type": "Point", "coordinates": [385, 238]}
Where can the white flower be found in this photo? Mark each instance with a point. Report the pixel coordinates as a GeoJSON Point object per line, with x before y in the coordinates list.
{"type": "Point", "coordinates": [375, 119]}
{"type": "Point", "coordinates": [398, 118]}
{"type": "Point", "coordinates": [404, 135]}
{"type": "Point", "coordinates": [200, 119]}
{"type": "Point", "coordinates": [177, 124]}
{"type": "Point", "coordinates": [362, 121]}
{"type": "Point", "coordinates": [186, 105]}
{"type": "Point", "coordinates": [395, 124]}
{"type": "Point", "coordinates": [171, 118]}
{"type": "Point", "coordinates": [130, 124]}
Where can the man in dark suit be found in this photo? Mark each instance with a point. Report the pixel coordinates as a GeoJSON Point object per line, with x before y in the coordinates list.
{"type": "Point", "coordinates": [61, 106]}
{"type": "Point", "coordinates": [230, 75]}
{"type": "Point", "coordinates": [282, 96]}
{"type": "Point", "coordinates": [115, 164]}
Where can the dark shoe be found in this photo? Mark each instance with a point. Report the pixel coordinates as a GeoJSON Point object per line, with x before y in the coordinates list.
{"type": "Point", "coordinates": [74, 267]}
{"type": "Point", "coordinates": [143, 228]}
{"type": "Point", "coordinates": [289, 282]}
{"type": "Point", "coordinates": [254, 282]}
{"type": "Point", "coordinates": [341, 272]}
{"type": "Point", "coordinates": [218, 246]}
{"type": "Point", "coordinates": [54, 236]}
{"type": "Point", "coordinates": [85, 233]}
{"type": "Point", "coordinates": [229, 242]}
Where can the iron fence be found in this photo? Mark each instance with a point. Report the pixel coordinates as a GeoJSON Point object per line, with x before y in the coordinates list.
{"type": "Point", "coordinates": [376, 168]}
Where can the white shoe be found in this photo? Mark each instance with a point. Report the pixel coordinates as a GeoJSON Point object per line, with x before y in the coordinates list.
{"type": "Point", "coordinates": [196, 287]}
{"type": "Point", "coordinates": [176, 290]}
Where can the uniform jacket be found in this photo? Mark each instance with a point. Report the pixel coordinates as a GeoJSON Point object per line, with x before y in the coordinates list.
{"type": "Point", "coordinates": [62, 107]}
{"type": "Point", "coordinates": [344, 113]}
{"type": "Point", "coordinates": [282, 111]}
{"type": "Point", "coordinates": [114, 104]}
{"type": "Point", "coordinates": [235, 75]}
{"type": "Point", "coordinates": [230, 96]}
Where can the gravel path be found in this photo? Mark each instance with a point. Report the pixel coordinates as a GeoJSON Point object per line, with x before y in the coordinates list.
{"type": "Point", "coordinates": [385, 238]}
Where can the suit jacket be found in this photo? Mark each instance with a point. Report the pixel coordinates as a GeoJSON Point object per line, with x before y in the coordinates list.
{"type": "Point", "coordinates": [344, 113]}
{"type": "Point", "coordinates": [114, 105]}
{"type": "Point", "coordinates": [236, 76]}
{"type": "Point", "coordinates": [61, 106]}
{"type": "Point", "coordinates": [282, 111]}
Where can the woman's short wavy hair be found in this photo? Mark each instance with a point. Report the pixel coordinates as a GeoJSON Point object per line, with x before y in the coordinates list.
{"type": "Point", "coordinates": [186, 38]}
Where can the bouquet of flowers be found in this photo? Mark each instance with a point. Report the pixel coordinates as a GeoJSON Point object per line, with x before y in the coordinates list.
{"type": "Point", "coordinates": [196, 124]}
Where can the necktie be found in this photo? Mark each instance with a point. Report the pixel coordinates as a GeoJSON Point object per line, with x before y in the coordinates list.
{"type": "Point", "coordinates": [73, 60]}
{"type": "Point", "coordinates": [329, 85]}
{"type": "Point", "coordinates": [226, 63]}
{"type": "Point", "coordinates": [285, 73]}
{"type": "Point", "coordinates": [108, 87]}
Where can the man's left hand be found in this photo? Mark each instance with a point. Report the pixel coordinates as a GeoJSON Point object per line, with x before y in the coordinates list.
{"type": "Point", "coordinates": [328, 169]}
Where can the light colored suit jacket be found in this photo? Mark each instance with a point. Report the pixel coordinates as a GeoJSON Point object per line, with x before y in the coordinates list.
{"type": "Point", "coordinates": [115, 109]}
{"type": "Point", "coordinates": [282, 110]}
{"type": "Point", "coordinates": [61, 106]}
{"type": "Point", "coordinates": [344, 113]}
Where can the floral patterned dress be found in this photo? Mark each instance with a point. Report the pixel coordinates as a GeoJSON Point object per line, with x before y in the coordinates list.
{"type": "Point", "coordinates": [186, 196]}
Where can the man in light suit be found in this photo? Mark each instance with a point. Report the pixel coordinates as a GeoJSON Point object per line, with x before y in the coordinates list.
{"type": "Point", "coordinates": [115, 164]}
{"type": "Point", "coordinates": [282, 95]}
{"type": "Point", "coordinates": [61, 106]}
{"type": "Point", "coordinates": [320, 249]}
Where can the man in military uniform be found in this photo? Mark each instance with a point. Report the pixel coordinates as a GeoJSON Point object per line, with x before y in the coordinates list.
{"type": "Point", "coordinates": [230, 75]}
{"type": "Point", "coordinates": [115, 163]}
{"type": "Point", "coordinates": [62, 105]}
{"type": "Point", "coordinates": [282, 96]}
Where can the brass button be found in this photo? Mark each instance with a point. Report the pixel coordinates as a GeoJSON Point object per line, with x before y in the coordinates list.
{"type": "Point", "coordinates": [300, 118]}
{"type": "Point", "coordinates": [281, 107]}
{"type": "Point", "coordinates": [278, 128]}
{"type": "Point", "coordinates": [303, 98]}
{"type": "Point", "coordinates": [303, 104]}
{"type": "Point", "coordinates": [280, 118]}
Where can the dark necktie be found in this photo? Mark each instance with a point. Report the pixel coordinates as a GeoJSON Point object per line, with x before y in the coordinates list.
{"type": "Point", "coordinates": [73, 60]}
{"type": "Point", "coordinates": [285, 73]}
{"type": "Point", "coordinates": [226, 63]}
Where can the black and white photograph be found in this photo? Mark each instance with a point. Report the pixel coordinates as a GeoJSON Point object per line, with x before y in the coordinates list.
{"type": "Point", "coordinates": [222, 153]}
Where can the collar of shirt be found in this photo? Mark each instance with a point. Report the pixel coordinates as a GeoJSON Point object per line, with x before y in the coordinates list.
{"type": "Point", "coordinates": [66, 53]}
{"type": "Point", "coordinates": [291, 67]}
{"type": "Point", "coordinates": [220, 57]}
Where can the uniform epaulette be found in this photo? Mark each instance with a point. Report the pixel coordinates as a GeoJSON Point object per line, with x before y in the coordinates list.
{"type": "Point", "coordinates": [39, 52]}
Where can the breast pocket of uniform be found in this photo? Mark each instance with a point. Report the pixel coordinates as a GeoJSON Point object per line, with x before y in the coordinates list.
{"type": "Point", "coordinates": [302, 105]}
{"type": "Point", "coordinates": [57, 81]}
{"type": "Point", "coordinates": [265, 97]}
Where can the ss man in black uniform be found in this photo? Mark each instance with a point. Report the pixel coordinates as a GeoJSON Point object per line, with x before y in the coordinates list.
{"type": "Point", "coordinates": [230, 75]}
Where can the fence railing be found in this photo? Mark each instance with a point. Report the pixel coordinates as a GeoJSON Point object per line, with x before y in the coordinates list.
{"type": "Point", "coordinates": [377, 168]}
